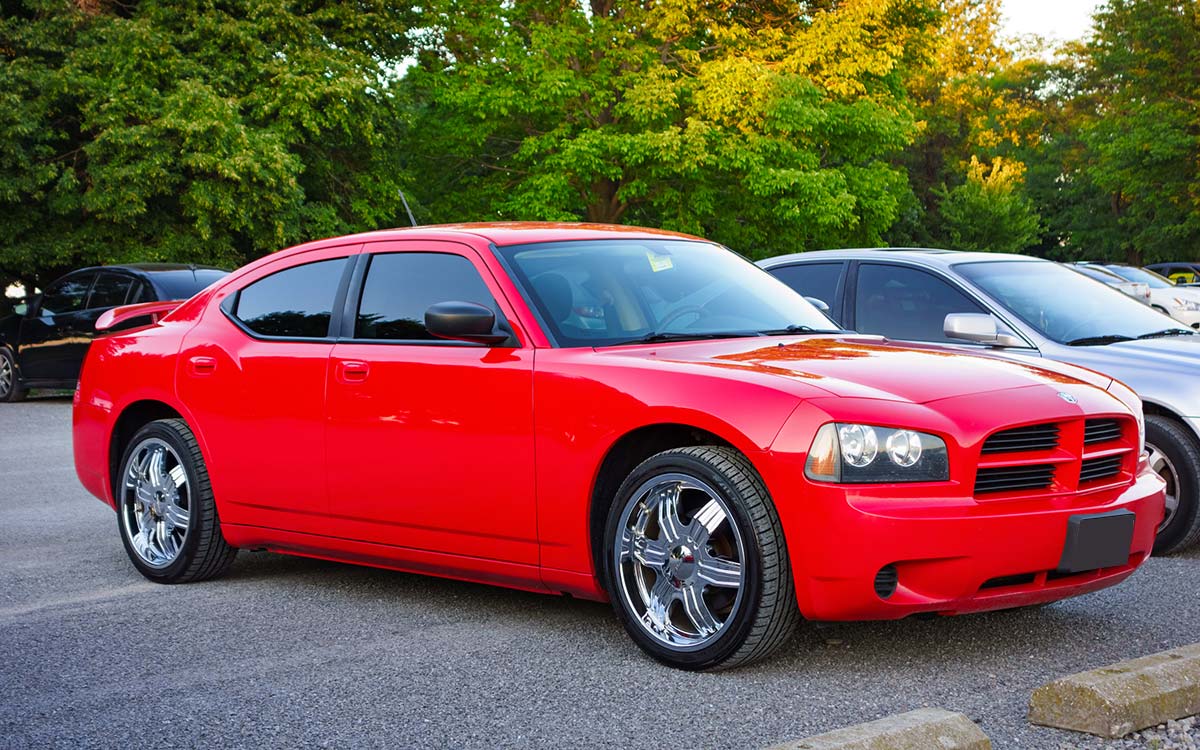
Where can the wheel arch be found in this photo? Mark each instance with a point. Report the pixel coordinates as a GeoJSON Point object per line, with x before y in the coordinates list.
{"type": "Point", "coordinates": [132, 418]}
{"type": "Point", "coordinates": [1160, 410]}
{"type": "Point", "coordinates": [625, 453]}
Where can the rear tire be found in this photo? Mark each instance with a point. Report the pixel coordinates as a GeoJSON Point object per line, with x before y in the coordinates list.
{"type": "Point", "coordinates": [165, 510]}
{"type": "Point", "coordinates": [1175, 456]}
{"type": "Point", "coordinates": [10, 382]}
{"type": "Point", "coordinates": [696, 563]}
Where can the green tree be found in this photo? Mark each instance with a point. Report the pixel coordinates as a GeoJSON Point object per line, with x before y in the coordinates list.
{"type": "Point", "coordinates": [1135, 177]}
{"type": "Point", "coordinates": [989, 211]}
{"type": "Point", "coordinates": [193, 131]}
{"type": "Point", "coordinates": [764, 128]}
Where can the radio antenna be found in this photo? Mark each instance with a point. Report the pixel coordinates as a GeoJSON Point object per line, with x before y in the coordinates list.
{"type": "Point", "coordinates": [412, 219]}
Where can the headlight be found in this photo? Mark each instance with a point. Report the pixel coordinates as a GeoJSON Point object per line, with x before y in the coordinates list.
{"type": "Point", "coordinates": [1186, 304]}
{"type": "Point", "coordinates": [860, 454]}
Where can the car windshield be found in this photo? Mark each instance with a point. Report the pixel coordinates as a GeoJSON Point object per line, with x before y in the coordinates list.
{"type": "Point", "coordinates": [1142, 276]}
{"type": "Point", "coordinates": [615, 291]}
{"type": "Point", "coordinates": [1099, 274]}
{"type": "Point", "coordinates": [1065, 306]}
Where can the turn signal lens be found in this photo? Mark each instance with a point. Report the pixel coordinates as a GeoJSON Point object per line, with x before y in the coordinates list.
{"type": "Point", "coordinates": [823, 464]}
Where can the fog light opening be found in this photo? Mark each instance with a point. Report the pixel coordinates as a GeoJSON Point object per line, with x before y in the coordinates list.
{"type": "Point", "coordinates": [886, 581]}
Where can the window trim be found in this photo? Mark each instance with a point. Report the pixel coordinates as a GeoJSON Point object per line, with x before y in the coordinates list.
{"type": "Point", "coordinates": [851, 304]}
{"type": "Point", "coordinates": [230, 303]}
{"type": "Point", "coordinates": [357, 285]}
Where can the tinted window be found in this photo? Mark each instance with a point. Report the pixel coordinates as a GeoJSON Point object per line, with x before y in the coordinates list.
{"type": "Point", "coordinates": [140, 293]}
{"type": "Point", "coordinates": [401, 286]}
{"type": "Point", "coordinates": [67, 295]}
{"type": "Point", "coordinates": [296, 302]}
{"type": "Point", "coordinates": [110, 290]}
{"type": "Point", "coordinates": [818, 280]}
{"type": "Point", "coordinates": [906, 304]}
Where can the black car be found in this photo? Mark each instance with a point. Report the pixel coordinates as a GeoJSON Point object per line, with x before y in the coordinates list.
{"type": "Point", "coordinates": [43, 344]}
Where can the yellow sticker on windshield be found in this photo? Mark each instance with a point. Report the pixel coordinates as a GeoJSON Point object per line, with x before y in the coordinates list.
{"type": "Point", "coordinates": [659, 262]}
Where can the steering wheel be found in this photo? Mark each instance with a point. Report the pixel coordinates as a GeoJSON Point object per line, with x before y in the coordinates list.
{"type": "Point", "coordinates": [673, 315]}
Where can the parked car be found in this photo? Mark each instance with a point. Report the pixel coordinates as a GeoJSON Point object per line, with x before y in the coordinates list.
{"type": "Point", "coordinates": [1180, 273]}
{"type": "Point", "coordinates": [1180, 302]}
{"type": "Point", "coordinates": [1139, 291]}
{"type": "Point", "coordinates": [610, 413]}
{"type": "Point", "coordinates": [42, 344]}
{"type": "Point", "coordinates": [1034, 310]}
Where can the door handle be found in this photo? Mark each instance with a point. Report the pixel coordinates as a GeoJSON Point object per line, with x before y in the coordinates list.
{"type": "Point", "coordinates": [202, 365]}
{"type": "Point", "coordinates": [352, 371]}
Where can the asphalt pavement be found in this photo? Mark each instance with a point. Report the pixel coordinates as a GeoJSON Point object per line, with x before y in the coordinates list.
{"type": "Point", "coordinates": [290, 652]}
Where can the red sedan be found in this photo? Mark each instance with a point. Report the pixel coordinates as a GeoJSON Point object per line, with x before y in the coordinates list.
{"type": "Point", "coordinates": [609, 413]}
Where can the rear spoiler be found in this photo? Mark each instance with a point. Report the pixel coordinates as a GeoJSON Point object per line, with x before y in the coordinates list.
{"type": "Point", "coordinates": [153, 311]}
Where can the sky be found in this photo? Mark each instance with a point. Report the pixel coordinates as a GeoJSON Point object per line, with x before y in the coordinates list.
{"type": "Point", "coordinates": [1058, 20]}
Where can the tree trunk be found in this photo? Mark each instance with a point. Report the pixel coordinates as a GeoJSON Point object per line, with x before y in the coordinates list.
{"type": "Point", "coordinates": [605, 206]}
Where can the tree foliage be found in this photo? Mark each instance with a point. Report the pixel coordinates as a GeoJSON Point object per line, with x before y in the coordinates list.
{"type": "Point", "coordinates": [193, 131]}
{"type": "Point", "coordinates": [989, 211]}
{"type": "Point", "coordinates": [769, 130]}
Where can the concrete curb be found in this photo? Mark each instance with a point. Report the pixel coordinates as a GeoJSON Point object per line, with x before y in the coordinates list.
{"type": "Point", "coordinates": [1125, 697]}
{"type": "Point", "coordinates": [923, 729]}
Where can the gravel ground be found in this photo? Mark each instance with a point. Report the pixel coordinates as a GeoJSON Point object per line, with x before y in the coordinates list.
{"type": "Point", "coordinates": [288, 652]}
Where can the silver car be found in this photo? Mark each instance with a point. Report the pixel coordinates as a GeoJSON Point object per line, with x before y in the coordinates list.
{"type": "Point", "coordinates": [1027, 307]}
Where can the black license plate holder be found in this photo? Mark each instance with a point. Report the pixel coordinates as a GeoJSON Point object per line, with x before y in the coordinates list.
{"type": "Point", "coordinates": [1097, 540]}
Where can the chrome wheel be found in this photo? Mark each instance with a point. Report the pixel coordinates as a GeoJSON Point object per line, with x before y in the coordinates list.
{"type": "Point", "coordinates": [679, 561]}
{"type": "Point", "coordinates": [156, 502]}
{"type": "Point", "coordinates": [6, 375]}
{"type": "Point", "coordinates": [1165, 469]}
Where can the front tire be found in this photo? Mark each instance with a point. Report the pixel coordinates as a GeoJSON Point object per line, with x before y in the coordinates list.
{"type": "Point", "coordinates": [10, 384]}
{"type": "Point", "coordinates": [165, 510]}
{"type": "Point", "coordinates": [1175, 456]}
{"type": "Point", "coordinates": [695, 561]}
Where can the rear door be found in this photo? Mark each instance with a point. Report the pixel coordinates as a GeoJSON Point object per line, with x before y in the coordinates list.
{"type": "Point", "coordinates": [253, 373]}
{"type": "Point", "coordinates": [430, 441]}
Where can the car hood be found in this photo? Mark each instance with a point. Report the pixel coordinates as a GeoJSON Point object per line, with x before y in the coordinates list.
{"type": "Point", "coordinates": [858, 367]}
{"type": "Point", "coordinates": [1137, 363]}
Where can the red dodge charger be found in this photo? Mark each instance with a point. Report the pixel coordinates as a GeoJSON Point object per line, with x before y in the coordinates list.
{"type": "Point", "coordinates": [612, 413]}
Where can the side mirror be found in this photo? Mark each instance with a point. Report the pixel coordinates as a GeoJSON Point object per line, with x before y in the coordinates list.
{"type": "Point", "coordinates": [820, 304]}
{"type": "Point", "coordinates": [464, 321]}
{"type": "Point", "coordinates": [978, 328]}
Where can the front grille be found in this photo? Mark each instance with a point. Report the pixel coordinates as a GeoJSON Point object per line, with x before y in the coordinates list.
{"type": "Point", "coordinates": [1101, 431]}
{"type": "Point", "coordinates": [1034, 437]}
{"type": "Point", "coordinates": [1104, 467]}
{"type": "Point", "coordinates": [1010, 478]}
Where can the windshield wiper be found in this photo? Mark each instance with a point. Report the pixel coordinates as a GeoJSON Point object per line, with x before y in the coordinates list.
{"type": "Point", "coordinates": [793, 329]}
{"type": "Point", "coordinates": [1168, 332]}
{"type": "Point", "coordinates": [1111, 338]}
{"type": "Point", "coordinates": [660, 336]}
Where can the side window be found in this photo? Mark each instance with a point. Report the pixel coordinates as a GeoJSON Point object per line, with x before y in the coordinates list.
{"type": "Point", "coordinates": [110, 290]}
{"type": "Point", "coordinates": [905, 303]}
{"type": "Point", "coordinates": [296, 302]}
{"type": "Point", "coordinates": [819, 280]}
{"type": "Point", "coordinates": [67, 295]}
{"type": "Point", "coordinates": [140, 293]}
{"type": "Point", "coordinates": [400, 286]}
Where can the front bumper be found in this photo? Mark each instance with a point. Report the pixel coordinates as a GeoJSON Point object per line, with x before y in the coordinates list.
{"type": "Point", "coordinates": [950, 555]}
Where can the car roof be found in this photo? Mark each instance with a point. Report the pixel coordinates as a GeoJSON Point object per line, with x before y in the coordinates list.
{"type": "Point", "coordinates": [149, 269]}
{"type": "Point", "coordinates": [924, 256]}
{"type": "Point", "coordinates": [500, 234]}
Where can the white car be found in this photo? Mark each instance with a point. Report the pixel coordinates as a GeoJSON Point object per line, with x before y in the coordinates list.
{"type": "Point", "coordinates": [1180, 302]}
{"type": "Point", "coordinates": [1138, 290]}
